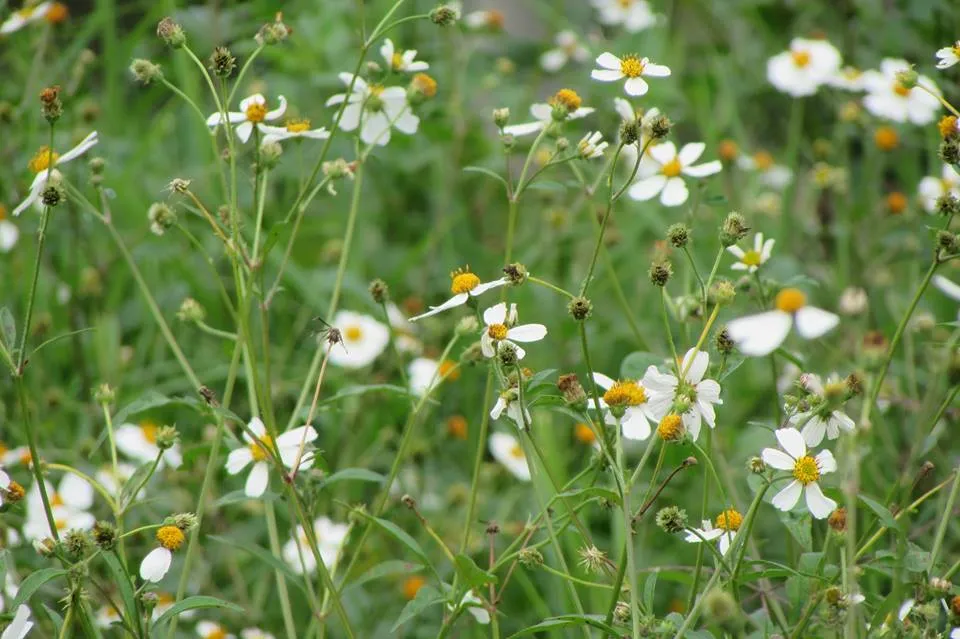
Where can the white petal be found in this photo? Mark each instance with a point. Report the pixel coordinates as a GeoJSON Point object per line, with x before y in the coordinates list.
{"type": "Point", "coordinates": [527, 333]}
{"type": "Point", "coordinates": [496, 314]}
{"type": "Point", "coordinates": [813, 322]}
{"type": "Point", "coordinates": [951, 289]}
{"type": "Point", "coordinates": [788, 497]}
{"type": "Point", "coordinates": [256, 98]}
{"type": "Point", "coordinates": [238, 459]}
{"type": "Point", "coordinates": [76, 492]}
{"type": "Point", "coordinates": [791, 441]}
{"type": "Point", "coordinates": [636, 86]}
{"type": "Point", "coordinates": [155, 565]}
{"type": "Point", "coordinates": [88, 142]}
{"type": "Point", "coordinates": [820, 505]}
{"type": "Point", "coordinates": [257, 480]}
{"type": "Point", "coordinates": [649, 188]}
{"type": "Point", "coordinates": [814, 431]}
{"type": "Point", "coordinates": [604, 75]}
{"type": "Point", "coordinates": [541, 111]}
{"type": "Point", "coordinates": [244, 130]}
{"type": "Point", "coordinates": [255, 426]}
{"type": "Point", "coordinates": [457, 300]}
{"type": "Point", "coordinates": [603, 381]}
{"type": "Point", "coordinates": [674, 192]}
{"type": "Point", "coordinates": [293, 437]}
{"type": "Point", "coordinates": [386, 50]}
{"type": "Point", "coordinates": [690, 153]}
{"type": "Point", "coordinates": [553, 60]}
{"type": "Point", "coordinates": [656, 70]}
{"type": "Point", "coordinates": [695, 364]}
{"type": "Point", "coordinates": [608, 61]}
{"type": "Point", "coordinates": [761, 334]}
{"type": "Point", "coordinates": [826, 462]}
{"type": "Point", "coordinates": [777, 459]}
{"type": "Point", "coordinates": [635, 425]}
{"type": "Point", "coordinates": [703, 170]}
{"type": "Point", "coordinates": [486, 286]}
{"type": "Point", "coordinates": [524, 129]}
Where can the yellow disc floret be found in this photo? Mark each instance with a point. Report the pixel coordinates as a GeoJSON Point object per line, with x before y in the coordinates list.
{"type": "Point", "coordinates": [449, 370]}
{"type": "Point", "coordinates": [729, 519]}
{"type": "Point", "coordinates": [259, 448]}
{"type": "Point", "coordinates": [43, 159]}
{"type": "Point", "coordinates": [516, 452]}
{"type": "Point", "coordinates": [170, 537]}
{"type": "Point", "coordinates": [948, 126]}
{"type": "Point", "coordinates": [584, 434]}
{"type": "Point", "coordinates": [497, 331]}
{"type": "Point", "coordinates": [463, 281]}
{"type": "Point", "coordinates": [256, 112]}
{"type": "Point", "coordinates": [800, 58]}
{"type": "Point", "coordinates": [396, 60]}
{"type": "Point", "coordinates": [805, 470]}
{"type": "Point", "coordinates": [298, 126]}
{"type": "Point", "coordinates": [763, 160]}
{"type": "Point", "coordinates": [790, 300]}
{"type": "Point", "coordinates": [752, 258]}
{"type": "Point", "coordinates": [672, 168]}
{"type": "Point", "coordinates": [353, 333]}
{"type": "Point", "coordinates": [670, 428]}
{"type": "Point", "coordinates": [425, 84]}
{"type": "Point", "coordinates": [568, 98]}
{"type": "Point", "coordinates": [631, 66]}
{"type": "Point", "coordinates": [625, 393]}
{"type": "Point", "coordinates": [149, 430]}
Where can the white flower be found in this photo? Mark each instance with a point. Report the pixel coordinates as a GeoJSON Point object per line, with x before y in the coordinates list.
{"type": "Point", "coordinates": [9, 234]}
{"type": "Point", "coordinates": [255, 452]}
{"type": "Point", "coordinates": [10, 587]}
{"type": "Point", "coordinates": [18, 455]}
{"type": "Point", "coordinates": [113, 481]}
{"type": "Point", "coordinates": [69, 504]}
{"type": "Point", "coordinates": [255, 633]}
{"type": "Point", "coordinates": [508, 402]}
{"type": "Point", "coordinates": [23, 17]}
{"type": "Point", "coordinates": [486, 19]}
{"type": "Point", "coordinates": [753, 259]}
{"type": "Point", "coordinates": [210, 630]}
{"type": "Point", "coordinates": [506, 449]}
{"type": "Point", "coordinates": [629, 152]}
{"type": "Point", "coordinates": [806, 471]}
{"type": "Point", "coordinates": [821, 420]}
{"type": "Point", "coordinates": [667, 394]}
{"type": "Point", "coordinates": [157, 562]}
{"type": "Point", "coordinates": [932, 188]}
{"type": "Point", "coordinates": [592, 146]}
{"type": "Point", "coordinates": [946, 57]}
{"type": "Point", "coordinates": [631, 397]}
{"type": "Point", "coordinates": [497, 333]}
{"type": "Point", "coordinates": [761, 334]}
{"type": "Point", "coordinates": [771, 174]}
{"type": "Point", "coordinates": [728, 523]}
{"type": "Point", "coordinates": [464, 285]}
{"type": "Point", "coordinates": [4, 485]}
{"type": "Point", "coordinates": [401, 60]}
{"type": "Point", "coordinates": [294, 129]}
{"type": "Point", "coordinates": [666, 167]}
{"type": "Point", "coordinates": [951, 289]}
{"type": "Point", "coordinates": [631, 67]}
{"type": "Point", "coordinates": [424, 373]}
{"type": "Point", "coordinates": [544, 113]}
{"type": "Point", "coordinates": [804, 67]}
{"type": "Point", "coordinates": [253, 112]}
{"type": "Point", "coordinates": [848, 79]}
{"type": "Point", "coordinates": [633, 15]}
{"type": "Point", "coordinates": [887, 98]}
{"type": "Point", "coordinates": [568, 48]}
{"type": "Point", "coordinates": [106, 616]}
{"type": "Point", "coordinates": [139, 441]}
{"type": "Point", "coordinates": [364, 338]}
{"type": "Point", "coordinates": [474, 606]}
{"type": "Point", "coordinates": [330, 537]}
{"type": "Point", "coordinates": [404, 331]}
{"type": "Point", "coordinates": [20, 625]}
{"type": "Point", "coordinates": [45, 170]}
{"type": "Point", "coordinates": [375, 109]}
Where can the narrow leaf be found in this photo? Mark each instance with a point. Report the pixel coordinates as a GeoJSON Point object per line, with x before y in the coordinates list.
{"type": "Point", "coordinates": [193, 603]}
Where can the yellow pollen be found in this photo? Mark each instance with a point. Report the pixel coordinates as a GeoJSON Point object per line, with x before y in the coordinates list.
{"type": "Point", "coordinates": [149, 430]}
{"type": "Point", "coordinates": [670, 428]}
{"type": "Point", "coordinates": [376, 89]}
{"type": "Point", "coordinates": [805, 470]}
{"type": "Point", "coordinates": [259, 448]}
{"type": "Point", "coordinates": [463, 281]}
{"type": "Point", "coordinates": [164, 599]}
{"type": "Point", "coordinates": [353, 333]}
{"type": "Point", "coordinates": [672, 168]}
{"type": "Point", "coordinates": [43, 159]}
{"type": "Point", "coordinates": [424, 84]}
{"type": "Point", "coordinates": [751, 258]}
{"type": "Point", "coordinates": [790, 300]}
{"type": "Point", "coordinates": [584, 434]}
{"type": "Point", "coordinates": [256, 112]}
{"type": "Point", "coordinates": [170, 537]}
{"type": "Point", "coordinates": [448, 370]}
{"type": "Point", "coordinates": [900, 90]}
{"type": "Point", "coordinates": [516, 452]}
{"type": "Point", "coordinates": [948, 126]}
{"type": "Point", "coordinates": [631, 66]}
{"type": "Point", "coordinates": [15, 492]}
{"type": "Point", "coordinates": [625, 4]}
{"type": "Point", "coordinates": [568, 98]}
{"type": "Point", "coordinates": [3, 447]}
{"type": "Point", "coordinates": [412, 585]}
{"type": "Point", "coordinates": [298, 126]}
{"type": "Point", "coordinates": [763, 161]}
{"type": "Point", "coordinates": [625, 393]}
{"type": "Point", "coordinates": [497, 331]}
{"type": "Point", "coordinates": [396, 60]}
{"type": "Point", "coordinates": [800, 58]}
{"type": "Point", "coordinates": [3, 216]}
{"type": "Point", "coordinates": [730, 520]}
{"type": "Point", "coordinates": [60, 523]}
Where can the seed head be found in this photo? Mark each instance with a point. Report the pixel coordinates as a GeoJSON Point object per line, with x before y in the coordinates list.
{"type": "Point", "coordinates": [756, 466]}
{"type": "Point", "coordinates": [723, 292]}
{"type": "Point", "coordinates": [273, 32]}
{"type": "Point", "coordinates": [660, 127]}
{"type": "Point", "coordinates": [949, 150]}
{"type": "Point", "coordinates": [171, 33]}
{"type": "Point", "coordinates": [678, 235]}
{"type": "Point", "coordinates": [530, 557]}
{"type": "Point", "coordinates": [660, 272]}
{"type": "Point", "coordinates": [838, 520]}
{"type": "Point", "coordinates": [947, 204]}
{"type": "Point", "coordinates": [104, 394]}
{"type": "Point", "coordinates": [77, 543]}
{"type": "Point", "coordinates": [907, 78]}
{"type": "Point", "coordinates": [723, 342]}
{"type": "Point", "coordinates": [161, 218]}
{"type": "Point", "coordinates": [50, 104]}
{"type": "Point", "coordinates": [145, 71]}
{"type": "Point", "coordinates": [734, 229]}
{"type": "Point", "coordinates": [580, 308]}
{"type": "Point", "coordinates": [672, 519]}
{"type": "Point", "coordinates": [53, 195]}
{"type": "Point", "coordinates": [190, 311]}
{"type": "Point", "coordinates": [222, 62]}
{"type": "Point", "coordinates": [379, 291]}
{"type": "Point", "coordinates": [444, 16]}
{"type": "Point", "coordinates": [516, 273]}
{"type": "Point", "coordinates": [630, 131]}
{"type": "Point", "coordinates": [592, 559]}
{"type": "Point", "coordinates": [508, 355]}
{"type": "Point", "coordinates": [573, 392]}
{"type": "Point", "coordinates": [104, 535]}
{"type": "Point", "coordinates": [621, 612]}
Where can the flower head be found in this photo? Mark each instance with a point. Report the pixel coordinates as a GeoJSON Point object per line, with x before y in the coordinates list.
{"type": "Point", "coordinates": [297, 129]}
{"type": "Point", "coordinates": [946, 57]}
{"type": "Point", "coordinates": [567, 49]}
{"type": "Point", "coordinates": [464, 284]}
{"type": "Point", "coordinates": [139, 441]}
{"type": "Point", "coordinates": [565, 104]}
{"type": "Point", "coordinates": [211, 630]}
{"type": "Point", "coordinates": [632, 15]}
{"type": "Point", "coordinates": [627, 400]}
{"type": "Point", "coordinates": [932, 188]}
{"type": "Point", "coordinates": [44, 163]}
{"type": "Point", "coordinates": [761, 334]}
{"type": "Point", "coordinates": [665, 171]}
{"type": "Point", "coordinates": [293, 446]}
{"type": "Point", "coordinates": [632, 68]}
{"type": "Point", "coordinates": [499, 331]}
{"type": "Point", "coordinates": [824, 416]}
{"type": "Point", "coordinates": [52, 12]}
{"type": "Point", "coordinates": [690, 396]}
{"type": "Point", "coordinates": [887, 97]}
{"type": "Point", "coordinates": [756, 257]}
{"type": "Point", "coordinates": [802, 69]}
{"type": "Point", "coordinates": [724, 529]}
{"type": "Point", "coordinates": [771, 174]}
{"type": "Point", "coordinates": [425, 373]}
{"type": "Point", "coordinates": [806, 471]}
{"type": "Point", "coordinates": [592, 146]}
{"type": "Point", "coordinates": [330, 537]}
{"type": "Point", "coordinates": [399, 60]}
{"type": "Point", "coordinates": [364, 339]}
{"type": "Point", "coordinates": [375, 110]}
{"type": "Point", "coordinates": [156, 564]}
{"type": "Point", "coordinates": [506, 449]}
{"type": "Point", "coordinates": [253, 112]}
{"type": "Point", "coordinates": [20, 625]}
{"type": "Point", "coordinates": [69, 502]}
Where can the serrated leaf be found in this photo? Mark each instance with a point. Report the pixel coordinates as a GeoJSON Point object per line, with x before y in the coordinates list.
{"type": "Point", "coordinates": [194, 603]}
{"type": "Point", "coordinates": [352, 474]}
{"type": "Point", "coordinates": [636, 363]}
{"type": "Point", "coordinates": [473, 575]}
{"type": "Point", "coordinates": [426, 597]}
{"type": "Point", "coordinates": [265, 556]}
{"type": "Point", "coordinates": [885, 516]}
{"type": "Point", "coordinates": [565, 621]}
{"type": "Point", "coordinates": [33, 583]}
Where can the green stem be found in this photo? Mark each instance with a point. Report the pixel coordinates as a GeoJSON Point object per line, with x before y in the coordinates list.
{"type": "Point", "coordinates": [478, 461]}
{"type": "Point", "coordinates": [945, 520]}
{"type": "Point", "coordinates": [285, 608]}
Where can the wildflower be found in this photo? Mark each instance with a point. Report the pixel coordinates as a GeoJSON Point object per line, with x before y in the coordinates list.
{"type": "Point", "coordinates": [592, 146]}
{"type": "Point", "coordinates": [509, 402]}
{"type": "Point", "coordinates": [660, 272]}
{"type": "Point", "coordinates": [364, 338]}
{"type": "Point", "coordinates": [161, 218]}
{"type": "Point", "coordinates": [52, 12]}
{"type": "Point", "coordinates": [506, 449]}
{"type": "Point", "coordinates": [20, 625]}
{"type": "Point", "coordinates": [897, 202]}
{"type": "Point", "coordinates": [258, 449]}
{"type": "Point", "coordinates": [253, 113]}
{"type": "Point", "coordinates": [330, 537]}
{"type": "Point", "coordinates": [5, 484]}
{"type": "Point", "coordinates": [69, 503]}
{"type": "Point", "coordinates": [566, 102]}
{"type": "Point", "coordinates": [297, 129]}
{"type": "Point", "coordinates": [692, 397]}
{"type": "Point", "coordinates": [584, 434]}
{"type": "Point", "coordinates": [139, 441]}
{"type": "Point", "coordinates": [628, 400]}
{"type": "Point", "coordinates": [668, 166]}
{"type": "Point", "coordinates": [571, 388]}
{"type": "Point", "coordinates": [43, 165]}
{"type": "Point", "coordinates": [848, 78]}
{"type": "Point", "coordinates": [631, 67]}
{"type": "Point", "coordinates": [422, 87]}
{"type": "Point", "coordinates": [770, 173]}
{"type": "Point", "coordinates": [932, 188]}
{"type": "Point", "coordinates": [112, 481]}
{"type": "Point", "coordinates": [404, 61]}
{"type": "Point", "coordinates": [632, 15]}
{"type": "Point", "coordinates": [806, 470]}
{"type": "Point", "coordinates": [457, 426]}
{"type": "Point", "coordinates": [886, 138]}
{"type": "Point", "coordinates": [946, 57]}
{"type": "Point", "coordinates": [491, 20]}
{"type": "Point", "coordinates": [568, 48]}
{"type": "Point", "coordinates": [761, 334]}
{"type": "Point", "coordinates": [498, 333]}
{"type": "Point", "coordinates": [802, 69]}
{"type": "Point", "coordinates": [464, 285]}
{"type": "Point", "coordinates": [210, 630]}
{"type": "Point", "coordinates": [375, 109]}
{"type": "Point", "coordinates": [425, 373]}
{"type": "Point", "coordinates": [474, 606]}
{"type": "Point", "coordinates": [156, 564]}
{"type": "Point", "coordinates": [222, 62]}
{"type": "Point", "coordinates": [823, 418]}
{"type": "Point", "coordinates": [887, 97]}
{"type": "Point", "coordinates": [9, 233]}
{"type": "Point", "coordinates": [753, 259]}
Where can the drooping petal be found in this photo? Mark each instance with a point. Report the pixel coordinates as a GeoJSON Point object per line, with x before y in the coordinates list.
{"type": "Point", "coordinates": [524, 129]}
{"type": "Point", "coordinates": [527, 333]}
{"type": "Point", "coordinates": [457, 300]}
{"type": "Point", "coordinates": [486, 286]}
{"type": "Point", "coordinates": [87, 143]}
{"type": "Point", "coordinates": [496, 314]}
{"type": "Point", "coordinates": [761, 334]}
{"type": "Point", "coordinates": [787, 498]}
{"type": "Point", "coordinates": [155, 565]}
{"type": "Point", "coordinates": [820, 505]}
{"type": "Point", "coordinates": [635, 425]}
{"type": "Point", "coordinates": [812, 322]}
{"type": "Point", "coordinates": [257, 480]}
{"type": "Point", "coordinates": [244, 130]}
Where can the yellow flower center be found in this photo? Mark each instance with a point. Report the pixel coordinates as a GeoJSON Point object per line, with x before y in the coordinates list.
{"type": "Point", "coordinates": [897, 202]}
{"type": "Point", "coordinates": [670, 428]}
{"type": "Point", "coordinates": [728, 150]}
{"type": "Point", "coordinates": [763, 161]}
{"type": "Point", "coordinates": [631, 66]}
{"type": "Point", "coordinates": [463, 281]}
{"type": "Point", "coordinates": [790, 300]}
{"type": "Point", "coordinates": [800, 58]}
{"type": "Point", "coordinates": [256, 112]}
{"type": "Point", "coordinates": [672, 168]}
{"type": "Point", "coordinates": [376, 89]}
{"type": "Point", "coordinates": [752, 258]}
{"type": "Point", "coordinates": [516, 452]}
{"type": "Point", "coordinates": [625, 4]}
{"type": "Point", "coordinates": [497, 331]}
{"type": "Point", "coordinates": [584, 434]}
{"type": "Point", "coordinates": [56, 500]}
{"type": "Point", "coordinates": [412, 585]}
{"type": "Point", "coordinates": [15, 492]}
{"type": "Point", "coordinates": [3, 216]}
{"type": "Point", "coordinates": [449, 370]}
{"type": "Point", "coordinates": [43, 159]}
{"type": "Point", "coordinates": [298, 126]}
{"type": "Point", "coordinates": [259, 448]}
{"type": "Point", "coordinates": [170, 537]}
{"type": "Point", "coordinates": [149, 430]}
{"type": "Point", "coordinates": [900, 90]}
{"type": "Point", "coordinates": [805, 470]}
{"type": "Point", "coordinates": [60, 523]}
{"type": "Point", "coordinates": [568, 98]}
{"type": "Point", "coordinates": [219, 633]}
{"type": "Point", "coordinates": [424, 84]}
{"type": "Point", "coordinates": [625, 393]}
{"type": "Point", "coordinates": [457, 427]}
{"type": "Point", "coordinates": [396, 60]}
{"type": "Point", "coordinates": [353, 333]}
{"type": "Point", "coordinates": [3, 447]}
{"type": "Point", "coordinates": [57, 13]}
{"type": "Point", "coordinates": [730, 520]}
{"type": "Point", "coordinates": [886, 138]}
{"type": "Point", "coordinates": [947, 126]}
{"type": "Point", "coordinates": [25, 458]}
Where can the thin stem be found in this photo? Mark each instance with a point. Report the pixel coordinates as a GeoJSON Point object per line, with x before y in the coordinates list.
{"type": "Point", "coordinates": [288, 623]}
{"type": "Point", "coordinates": [945, 520]}
{"type": "Point", "coordinates": [478, 461]}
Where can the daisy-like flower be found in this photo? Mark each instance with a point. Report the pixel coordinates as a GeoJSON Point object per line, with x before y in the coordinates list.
{"type": "Point", "coordinates": [506, 449]}
{"type": "Point", "coordinates": [590, 147]}
{"type": "Point", "coordinates": [257, 452]}
{"type": "Point", "coordinates": [9, 233]}
{"type": "Point", "coordinates": [823, 418]}
{"type": "Point", "coordinates": [375, 109]}
{"type": "Point", "coordinates": [330, 537]}
{"type": "Point", "coordinates": [253, 113]}
{"type": "Point", "coordinates": [139, 441]}
{"type": "Point", "coordinates": [727, 524]}
{"type": "Point", "coordinates": [364, 338]}
{"type": "Point", "coordinates": [848, 79]}
{"type": "Point", "coordinates": [4, 484]}
{"type": "Point", "coordinates": [474, 606]}
{"type": "Point", "coordinates": [633, 15]}
{"type": "Point", "coordinates": [509, 402]}
{"type": "Point", "coordinates": [564, 105]}
{"type": "Point", "coordinates": [932, 188]}
{"type": "Point", "coordinates": [20, 625]}
{"type": "Point", "coordinates": [946, 57]}
{"type": "Point", "coordinates": [157, 562]}
{"type": "Point", "coordinates": [771, 174]}
{"type": "Point", "coordinates": [801, 70]}
{"type": "Point", "coordinates": [52, 12]}
{"type": "Point", "coordinates": [756, 257]}
{"type": "Point", "coordinates": [631, 67]}
{"type": "Point", "coordinates": [424, 373]}
{"type": "Point", "coordinates": [296, 129]}
{"type": "Point", "coordinates": [628, 398]}
{"type": "Point", "coordinates": [211, 630]}
{"type": "Point", "coordinates": [888, 98]}
{"type": "Point", "coordinates": [404, 61]}
{"type": "Point", "coordinates": [663, 176]}
{"type": "Point", "coordinates": [761, 334]}
{"type": "Point", "coordinates": [806, 471]}
{"type": "Point", "coordinates": [113, 481]}
{"type": "Point", "coordinates": [43, 165]}
{"type": "Point", "coordinates": [464, 285]}
{"type": "Point", "coordinates": [692, 398]}
{"type": "Point", "coordinates": [568, 49]}
{"type": "Point", "coordinates": [69, 503]}
{"type": "Point", "coordinates": [502, 330]}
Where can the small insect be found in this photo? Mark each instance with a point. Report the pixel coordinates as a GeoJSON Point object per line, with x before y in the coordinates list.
{"type": "Point", "coordinates": [330, 333]}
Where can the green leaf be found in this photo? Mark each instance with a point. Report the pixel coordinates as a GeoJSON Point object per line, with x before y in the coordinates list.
{"type": "Point", "coordinates": [487, 172]}
{"type": "Point", "coordinates": [540, 378]}
{"type": "Point", "coordinates": [55, 618]}
{"type": "Point", "coordinates": [635, 364]}
{"type": "Point", "coordinates": [399, 534]}
{"type": "Point", "coordinates": [916, 559]}
{"type": "Point", "coordinates": [121, 580]}
{"type": "Point", "coordinates": [352, 474]}
{"type": "Point", "coordinates": [473, 575]}
{"type": "Point", "coordinates": [273, 237]}
{"type": "Point", "coordinates": [265, 556]}
{"type": "Point", "coordinates": [545, 185]}
{"type": "Point", "coordinates": [8, 327]}
{"type": "Point", "coordinates": [352, 391]}
{"type": "Point", "coordinates": [885, 516]}
{"type": "Point", "coordinates": [193, 603]}
{"type": "Point", "coordinates": [386, 569]}
{"type": "Point", "coordinates": [649, 589]}
{"type": "Point", "coordinates": [240, 496]}
{"type": "Point", "coordinates": [60, 337]}
{"type": "Point", "coordinates": [33, 582]}
{"type": "Point", "coordinates": [592, 492]}
{"type": "Point", "coordinates": [565, 621]}
{"type": "Point", "coordinates": [148, 401]}
{"type": "Point", "coordinates": [426, 597]}
{"type": "Point", "coordinates": [799, 527]}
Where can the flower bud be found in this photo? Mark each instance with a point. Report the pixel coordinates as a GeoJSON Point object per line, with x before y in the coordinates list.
{"type": "Point", "coordinates": [167, 436]}
{"type": "Point", "coordinates": [733, 230]}
{"type": "Point", "coordinates": [660, 272]}
{"type": "Point", "coordinates": [379, 291]}
{"type": "Point", "coordinates": [838, 520]}
{"type": "Point", "coordinates": [720, 606]}
{"type": "Point", "coordinates": [104, 535]}
{"type": "Point", "coordinates": [907, 78]}
{"type": "Point", "coordinates": [222, 63]}
{"type": "Point", "coordinates": [516, 273]}
{"type": "Point", "coordinates": [722, 292]}
{"type": "Point", "coordinates": [756, 466]}
{"type": "Point", "coordinates": [678, 235]}
{"type": "Point", "coordinates": [444, 15]}
{"type": "Point", "coordinates": [580, 308]}
{"type": "Point", "coordinates": [50, 104]}
{"type": "Point", "coordinates": [77, 543]}
{"type": "Point", "coordinates": [530, 557]}
{"type": "Point", "coordinates": [104, 394]}
{"type": "Point", "coordinates": [184, 521]}
{"type": "Point", "coordinates": [501, 116]}
{"type": "Point", "coordinates": [947, 204]}
{"type": "Point", "coordinates": [270, 153]}
{"type": "Point", "coordinates": [630, 131]}
{"type": "Point", "coordinates": [53, 195]}
{"type": "Point", "coordinates": [273, 32]}
{"type": "Point", "coordinates": [171, 33]}
{"type": "Point", "coordinates": [145, 71]}
{"type": "Point", "coordinates": [190, 311]}
{"type": "Point", "coordinates": [161, 218]}
{"type": "Point", "coordinates": [672, 519]}
{"type": "Point", "coordinates": [508, 355]}
{"type": "Point", "coordinates": [571, 389]}
{"type": "Point", "coordinates": [422, 87]}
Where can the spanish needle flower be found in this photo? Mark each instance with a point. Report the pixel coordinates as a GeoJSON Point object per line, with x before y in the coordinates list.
{"type": "Point", "coordinates": [946, 57]}
{"type": "Point", "coordinates": [564, 105]}
{"type": "Point", "coordinates": [632, 15]}
{"type": "Point", "coordinates": [692, 398]}
{"type": "Point", "coordinates": [295, 129]}
{"type": "Point", "coordinates": [888, 98]}
{"type": "Point", "coordinates": [761, 334]}
{"type": "Point", "coordinates": [631, 67]}
{"type": "Point", "coordinates": [375, 109]}
{"type": "Point", "coordinates": [253, 113]}
{"type": "Point", "coordinates": [157, 562]}
{"type": "Point", "coordinates": [806, 471]}
{"type": "Point", "coordinates": [52, 12]}
{"type": "Point", "coordinates": [727, 524]}
{"type": "Point", "coordinates": [424, 373]}
{"type": "Point", "coordinates": [509, 402]}
{"type": "Point", "coordinates": [399, 60]}
{"type": "Point", "coordinates": [933, 188]}
{"type": "Point", "coordinates": [464, 285]}
{"type": "Point", "coordinates": [568, 49]}
{"type": "Point", "coordinates": [139, 441]}
{"type": "Point", "coordinates": [848, 79]}
{"type": "Point", "coordinates": [627, 400]}
{"type": "Point", "coordinates": [802, 69]}
{"type": "Point", "coordinates": [590, 147]}
{"type": "Point", "coordinates": [506, 449]}
{"type": "Point", "coordinates": [20, 625]}
{"type": "Point", "coordinates": [258, 449]}
{"type": "Point", "coordinates": [823, 417]}
{"type": "Point", "coordinates": [771, 174]}
{"type": "Point", "coordinates": [663, 175]}
{"type": "Point", "coordinates": [43, 165]}
{"type": "Point", "coordinates": [211, 630]}
{"type": "Point", "coordinates": [69, 504]}
{"type": "Point", "coordinates": [330, 537]}
{"type": "Point", "coordinates": [364, 339]}
{"type": "Point", "coordinates": [498, 332]}
{"type": "Point", "coordinates": [756, 257]}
